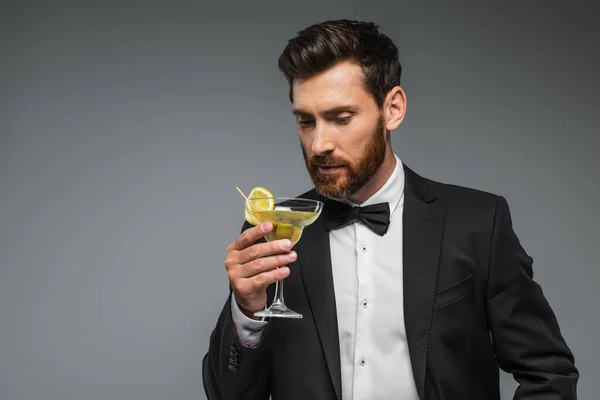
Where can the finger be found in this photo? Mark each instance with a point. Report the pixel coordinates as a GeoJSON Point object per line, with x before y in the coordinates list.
{"type": "Point", "coordinates": [266, 278]}
{"type": "Point", "coordinates": [251, 235]}
{"type": "Point", "coordinates": [261, 250]}
{"type": "Point", "coordinates": [266, 264]}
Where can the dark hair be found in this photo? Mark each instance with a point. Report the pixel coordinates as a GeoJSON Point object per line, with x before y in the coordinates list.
{"type": "Point", "coordinates": [321, 46]}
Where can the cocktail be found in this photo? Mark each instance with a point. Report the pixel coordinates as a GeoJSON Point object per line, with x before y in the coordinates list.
{"type": "Point", "coordinates": [289, 217]}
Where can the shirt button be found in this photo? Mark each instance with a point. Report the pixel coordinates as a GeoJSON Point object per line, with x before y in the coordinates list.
{"type": "Point", "coordinates": [364, 248]}
{"type": "Point", "coordinates": [362, 361]}
{"type": "Point", "coordinates": [364, 303]}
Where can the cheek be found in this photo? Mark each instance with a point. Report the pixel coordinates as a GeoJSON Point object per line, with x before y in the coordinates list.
{"type": "Point", "coordinates": [305, 142]}
{"type": "Point", "coordinates": [355, 145]}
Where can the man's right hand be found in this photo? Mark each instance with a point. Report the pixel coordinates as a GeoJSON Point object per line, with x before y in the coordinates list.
{"type": "Point", "coordinates": [252, 267]}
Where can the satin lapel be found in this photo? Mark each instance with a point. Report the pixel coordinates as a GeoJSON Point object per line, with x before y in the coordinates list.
{"type": "Point", "coordinates": [314, 257]}
{"type": "Point", "coordinates": [423, 223]}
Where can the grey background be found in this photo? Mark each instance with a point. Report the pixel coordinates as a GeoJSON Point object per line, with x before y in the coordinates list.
{"type": "Point", "coordinates": [126, 126]}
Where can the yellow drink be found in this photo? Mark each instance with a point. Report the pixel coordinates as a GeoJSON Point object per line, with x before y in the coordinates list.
{"type": "Point", "coordinates": [286, 224]}
{"type": "Point", "coordinates": [289, 217]}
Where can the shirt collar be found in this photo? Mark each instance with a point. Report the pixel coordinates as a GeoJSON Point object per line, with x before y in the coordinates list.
{"type": "Point", "coordinates": [391, 192]}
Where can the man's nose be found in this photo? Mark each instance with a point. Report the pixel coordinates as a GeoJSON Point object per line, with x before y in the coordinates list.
{"type": "Point", "coordinates": [322, 140]}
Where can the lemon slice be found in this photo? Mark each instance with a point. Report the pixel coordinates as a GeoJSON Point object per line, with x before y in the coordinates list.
{"type": "Point", "coordinates": [261, 199]}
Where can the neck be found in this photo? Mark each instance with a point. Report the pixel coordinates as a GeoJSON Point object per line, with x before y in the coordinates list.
{"type": "Point", "coordinates": [378, 180]}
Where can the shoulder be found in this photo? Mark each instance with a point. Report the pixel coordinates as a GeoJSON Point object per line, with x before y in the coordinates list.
{"type": "Point", "coordinates": [454, 195]}
{"type": "Point", "coordinates": [456, 198]}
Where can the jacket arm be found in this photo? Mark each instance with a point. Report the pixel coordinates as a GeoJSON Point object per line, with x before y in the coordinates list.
{"type": "Point", "coordinates": [525, 333]}
{"type": "Point", "coordinates": [230, 370]}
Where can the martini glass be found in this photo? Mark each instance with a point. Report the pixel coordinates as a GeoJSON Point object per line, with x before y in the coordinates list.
{"type": "Point", "coordinates": [289, 217]}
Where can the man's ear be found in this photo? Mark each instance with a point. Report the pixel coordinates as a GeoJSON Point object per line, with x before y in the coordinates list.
{"type": "Point", "coordinates": [394, 108]}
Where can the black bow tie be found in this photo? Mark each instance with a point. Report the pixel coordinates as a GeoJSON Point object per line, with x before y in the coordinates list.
{"type": "Point", "coordinates": [375, 216]}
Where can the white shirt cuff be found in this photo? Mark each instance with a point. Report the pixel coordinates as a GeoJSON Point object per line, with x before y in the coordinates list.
{"type": "Point", "coordinates": [249, 331]}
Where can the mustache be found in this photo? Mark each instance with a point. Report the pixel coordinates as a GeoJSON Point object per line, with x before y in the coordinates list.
{"type": "Point", "coordinates": [327, 161]}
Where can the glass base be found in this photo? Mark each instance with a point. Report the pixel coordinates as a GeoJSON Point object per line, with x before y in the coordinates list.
{"type": "Point", "coordinates": [278, 310]}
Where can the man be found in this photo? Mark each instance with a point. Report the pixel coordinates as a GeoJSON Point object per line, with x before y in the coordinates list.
{"type": "Point", "coordinates": [427, 307]}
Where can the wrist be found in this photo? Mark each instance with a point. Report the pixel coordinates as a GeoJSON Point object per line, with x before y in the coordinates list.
{"type": "Point", "coordinates": [248, 313]}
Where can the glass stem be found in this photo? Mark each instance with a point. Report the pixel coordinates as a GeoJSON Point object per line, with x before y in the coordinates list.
{"type": "Point", "coordinates": [278, 292]}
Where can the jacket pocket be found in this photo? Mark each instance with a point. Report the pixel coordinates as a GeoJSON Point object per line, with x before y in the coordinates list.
{"type": "Point", "coordinates": [454, 292]}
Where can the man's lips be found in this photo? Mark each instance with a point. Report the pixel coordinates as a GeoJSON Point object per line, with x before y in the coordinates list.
{"type": "Point", "coordinates": [329, 169]}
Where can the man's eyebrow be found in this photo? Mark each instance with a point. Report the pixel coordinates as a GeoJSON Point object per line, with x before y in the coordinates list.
{"type": "Point", "coordinates": [300, 113]}
{"type": "Point", "coordinates": [327, 113]}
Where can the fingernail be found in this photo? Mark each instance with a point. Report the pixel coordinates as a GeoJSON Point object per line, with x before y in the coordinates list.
{"type": "Point", "coordinates": [266, 226]}
{"type": "Point", "coordinates": [284, 271]}
{"type": "Point", "coordinates": [292, 255]}
{"type": "Point", "coordinates": [286, 244]}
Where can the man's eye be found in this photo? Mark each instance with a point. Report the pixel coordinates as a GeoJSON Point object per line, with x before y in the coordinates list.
{"type": "Point", "coordinates": [342, 120]}
{"type": "Point", "coordinates": [305, 123]}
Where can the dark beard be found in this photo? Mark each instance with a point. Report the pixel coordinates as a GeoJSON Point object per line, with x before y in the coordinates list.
{"type": "Point", "coordinates": [358, 173]}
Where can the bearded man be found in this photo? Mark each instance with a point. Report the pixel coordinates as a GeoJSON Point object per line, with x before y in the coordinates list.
{"type": "Point", "coordinates": [428, 303]}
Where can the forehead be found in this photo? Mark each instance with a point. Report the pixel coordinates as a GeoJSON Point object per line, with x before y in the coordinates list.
{"type": "Point", "coordinates": [342, 83]}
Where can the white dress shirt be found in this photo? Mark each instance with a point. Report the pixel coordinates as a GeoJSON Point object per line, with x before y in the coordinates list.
{"type": "Point", "coordinates": [367, 278]}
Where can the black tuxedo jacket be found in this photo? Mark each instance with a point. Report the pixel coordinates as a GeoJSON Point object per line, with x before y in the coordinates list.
{"type": "Point", "coordinates": [470, 304]}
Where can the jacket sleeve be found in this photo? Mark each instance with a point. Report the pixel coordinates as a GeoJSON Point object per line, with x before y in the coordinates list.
{"type": "Point", "coordinates": [230, 370]}
{"type": "Point", "coordinates": [525, 333]}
